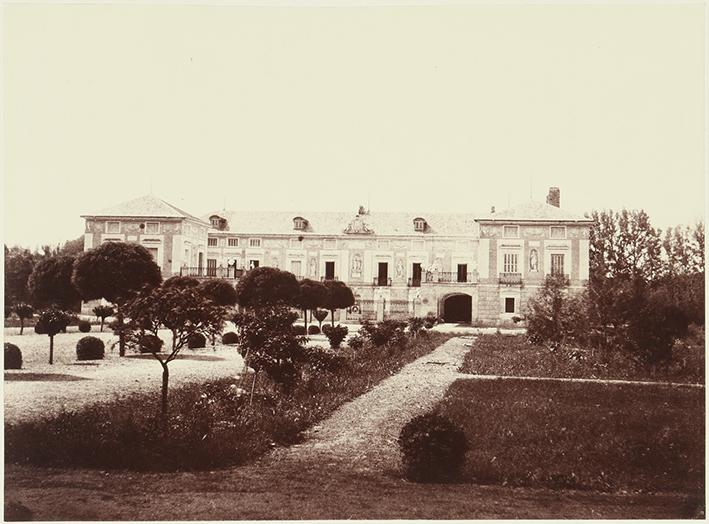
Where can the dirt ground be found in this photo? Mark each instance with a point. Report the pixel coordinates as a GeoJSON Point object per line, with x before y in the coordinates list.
{"type": "Point", "coordinates": [346, 468]}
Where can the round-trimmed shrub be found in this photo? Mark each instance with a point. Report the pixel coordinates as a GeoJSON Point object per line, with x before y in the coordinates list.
{"type": "Point", "coordinates": [84, 326]}
{"type": "Point", "coordinates": [313, 330]}
{"type": "Point", "coordinates": [196, 340]}
{"type": "Point", "coordinates": [40, 328]}
{"type": "Point", "coordinates": [13, 356]}
{"type": "Point", "coordinates": [299, 330]}
{"type": "Point", "coordinates": [230, 338]}
{"type": "Point", "coordinates": [433, 449]}
{"type": "Point", "coordinates": [89, 348]}
{"type": "Point", "coordinates": [149, 344]}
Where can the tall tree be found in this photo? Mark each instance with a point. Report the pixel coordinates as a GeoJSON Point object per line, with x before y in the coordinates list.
{"type": "Point", "coordinates": [19, 264]}
{"type": "Point", "coordinates": [50, 283]}
{"type": "Point", "coordinates": [115, 271]}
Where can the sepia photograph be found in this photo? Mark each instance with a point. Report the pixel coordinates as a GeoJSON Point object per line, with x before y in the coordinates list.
{"type": "Point", "coordinates": [345, 259]}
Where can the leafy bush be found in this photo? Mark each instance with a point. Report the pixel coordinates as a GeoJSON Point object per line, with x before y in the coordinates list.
{"type": "Point", "coordinates": [40, 329]}
{"type": "Point", "coordinates": [321, 359]}
{"type": "Point", "coordinates": [652, 332]}
{"type": "Point", "coordinates": [430, 320]}
{"type": "Point", "coordinates": [196, 341]}
{"type": "Point", "coordinates": [387, 332]}
{"type": "Point", "coordinates": [13, 356]}
{"type": "Point", "coordinates": [335, 334]}
{"type": "Point", "coordinates": [84, 326]}
{"type": "Point", "coordinates": [356, 342]}
{"type": "Point", "coordinates": [433, 449]}
{"type": "Point", "coordinates": [299, 330]}
{"type": "Point", "coordinates": [89, 348]}
{"type": "Point", "coordinates": [147, 343]}
{"type": "Point", "coordinates": [313, 330]}
{"type": "Point", "coordinates": [416, 325]}
{"type": "Point", "coordinates": [556, 316]}
{"type": "Point", "coordinates": [230, 338]}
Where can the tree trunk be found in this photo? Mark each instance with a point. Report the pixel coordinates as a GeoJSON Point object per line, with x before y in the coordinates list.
{"type": "Point", "coordinates": [174, 340]}
{"type": "Point", "coordinates": [102, 323]}
{"type": "Point", "coordinates": [165, 380]}
{"type": "Point", "coordinates": [22, 325]}
{"type": "Point", "coordinates": [51, 349]}
{"type": "Point", "coordinates": [121, 334]}
{"type": "Point", "coordinates": [305, 320]}
{"type": "Point", "coordinates": [332, 317]}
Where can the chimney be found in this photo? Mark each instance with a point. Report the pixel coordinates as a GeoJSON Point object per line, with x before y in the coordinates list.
{"type": "Point", "coordinates": [554, 197]}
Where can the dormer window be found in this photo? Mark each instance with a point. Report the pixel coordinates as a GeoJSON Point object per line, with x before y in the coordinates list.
{"type": "Point", "coordinates": [300, 224]}
{"type": "Point", "coordinates": [420, 224]}
{"type": "Point", "coordinates": [218, 222]}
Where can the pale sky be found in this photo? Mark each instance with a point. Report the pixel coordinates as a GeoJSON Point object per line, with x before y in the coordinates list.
{"type": "Point", "coordinates": [431, 108]}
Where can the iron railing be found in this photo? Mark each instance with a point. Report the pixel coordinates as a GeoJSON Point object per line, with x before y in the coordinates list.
{"type": "Point", "coordinates": [510, 278]}
{"type": "Point", "coordinates": [211, 272]}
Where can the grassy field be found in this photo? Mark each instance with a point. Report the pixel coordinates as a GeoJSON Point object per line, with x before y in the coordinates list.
{"type": "Point", "coordinates": [605, 437]}
{"type": "Point", "coordinates": [515, 356]}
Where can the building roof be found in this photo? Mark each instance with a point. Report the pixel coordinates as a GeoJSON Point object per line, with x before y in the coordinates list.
{"type": "Point", "coordinates": [532, 211]}
{"type": "Point", "coordinates": [148, 206]}
{"type": "Point", "coordinates": [335, 223]}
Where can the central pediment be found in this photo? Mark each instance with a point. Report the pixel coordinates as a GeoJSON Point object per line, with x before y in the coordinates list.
{"type": "Point", "coordinates": [358, 226]}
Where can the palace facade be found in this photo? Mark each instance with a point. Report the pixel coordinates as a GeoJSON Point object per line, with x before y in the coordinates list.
{"type": "Point", "coordinates": [462, 267]}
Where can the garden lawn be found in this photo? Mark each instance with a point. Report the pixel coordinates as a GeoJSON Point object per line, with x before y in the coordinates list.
{"type": "Point", "coordinates": [40, 389]}
{"type": "Point", "coordinates": [606, 437]}
{"type": "Point", "coordinates": [515, 356]}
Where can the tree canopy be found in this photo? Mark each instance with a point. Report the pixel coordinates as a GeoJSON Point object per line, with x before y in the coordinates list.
{"type": "Point", "coordinates": [50, 283]}
{"type": "Point", "coordinates": [114, 271]}
{"type": "Point", "coordinates": [266, 287]}
{"type": "Point", "coordinates": [220, 291]}
{"type": "Point", "coordinates": [338, 296]}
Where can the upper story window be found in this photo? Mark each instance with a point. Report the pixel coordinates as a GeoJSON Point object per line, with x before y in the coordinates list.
{"type": "Point", "coordinates": [510, 231]}
{"type": "Point", "coordinates": [233, 242]}
{"type": "Point", "coordinates": [509, 263]}
{"type": "Point", "coordinates": [254, 242]}
{"type": "Point", "coordinates": [557, 232]}
{"type": "Point", "coordinates": [152, 228]}
{"type": "Point", "coordinates": [419, 224]}
{"type": "Point", "coordinates": [300, 224]}
{"type": "Point", "coordinates": [113, 227]}
{"type": "Point", "coordinates": [212, 241]}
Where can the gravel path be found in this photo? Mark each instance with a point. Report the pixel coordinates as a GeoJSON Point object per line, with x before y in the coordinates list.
{"type": "Point", "coordinates": [363, 432]}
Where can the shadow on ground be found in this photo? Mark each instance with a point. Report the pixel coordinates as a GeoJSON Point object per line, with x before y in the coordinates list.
{"type": "Point", "coordinates": [181, 356]}
{"type": "Point", "coordinates": [42, 377]}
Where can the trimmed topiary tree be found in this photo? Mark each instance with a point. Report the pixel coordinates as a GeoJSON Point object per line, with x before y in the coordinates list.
{"type": "Point", "coordinates": [90, 348]}
{"type": "Point", "coordinates": [148, 343]}
{"type": "Point", "coordinates": [432, 448]}
{"type": "Point", "coordinates": [23, 312]}
{"type": "Point", "coordinates": [52, 321]}
{"type": "Point", "coordinates": [338, 296]}
{"type": "Point", "coordinates": [103, 312]}
{"type": "Point", "coordinates": [196, 341]}
{"type": "Point", "coordinates": [84, 326]}
{"type": "Point", "coordinates": [320, 315]}
{"type": "Point", "coordinates": [115, 271]}
{"type": "Point", "coordinates": [230, 338]}
{"type": "Point", "coordinates": [311, 295]}
{"type": "Point", "coordinates": [13, 356]}
{"type": "Point", "coordinates": [219, 291]}
{"type": "Point", "coordinates": [313, 330]}
{"type": "Point", "coordinates": [335, 334]}
{"type": "Point", "coordinates": [50, 283]}
{"type": "Point", "coordinates": [265, 287]}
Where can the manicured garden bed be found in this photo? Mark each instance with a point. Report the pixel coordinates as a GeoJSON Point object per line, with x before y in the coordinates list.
{"type": "Point", "coordinates": [212, 425]}
{"type": "Point", "coordinates": [605, 437]}
{"type": "Point", "coordinates": [515, 356]}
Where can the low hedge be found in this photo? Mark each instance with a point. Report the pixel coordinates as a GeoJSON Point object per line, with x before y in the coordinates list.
{"type": "Point", "coordinates": [13, 356]}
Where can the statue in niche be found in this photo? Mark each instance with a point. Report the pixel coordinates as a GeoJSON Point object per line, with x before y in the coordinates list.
{"type": "Point", "coordinates": [313, 267]}
{"type": "Point", "coordinates": [400, 269]}
{"type": "Point", "coordinates": [357, 266]}
{"type": "Point", "coordinates": [533, 260]}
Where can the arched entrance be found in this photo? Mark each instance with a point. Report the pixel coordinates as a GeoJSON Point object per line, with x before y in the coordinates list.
{"type": "Point", "coordinates": [457, 308]}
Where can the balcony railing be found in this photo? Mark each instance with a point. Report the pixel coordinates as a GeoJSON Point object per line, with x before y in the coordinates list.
{"type": "Point", "coordinates": [510, 278]}
{"type": "Point", "coordinates": [381, 281]}
{"type": "Point", "coordinates": [449, 277]}
{"type": "Point", "coordinates": [414, 282]}
{"type": "Point", "coordinates": [211, 272]}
